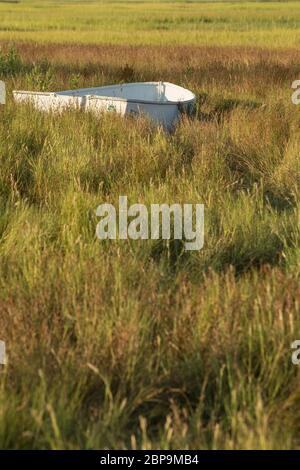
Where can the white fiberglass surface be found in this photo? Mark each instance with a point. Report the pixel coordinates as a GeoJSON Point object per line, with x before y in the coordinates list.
{"type": "Point", "coordinates": [175, 93]}
{"type": "Point", "coordinates": [161, 92]}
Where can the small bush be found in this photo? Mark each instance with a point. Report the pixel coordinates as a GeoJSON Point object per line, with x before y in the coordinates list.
{"type": "Point", "coordinates": [10, 63]}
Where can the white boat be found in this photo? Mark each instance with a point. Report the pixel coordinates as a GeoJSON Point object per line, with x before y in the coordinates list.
{"type": "Point", "coordinates": [164, 102]}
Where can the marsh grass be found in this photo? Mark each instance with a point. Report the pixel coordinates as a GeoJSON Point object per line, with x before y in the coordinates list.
{"type": "Point", "coordinates": [265, 24]}
{"type": "Point", "coordinates": [128, 344]}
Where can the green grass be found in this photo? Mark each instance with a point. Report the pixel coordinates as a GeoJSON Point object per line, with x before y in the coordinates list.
{"type": "Point", "coordinates": [127, 344]}
{"type": "Point", "coordinates": [266, 24]}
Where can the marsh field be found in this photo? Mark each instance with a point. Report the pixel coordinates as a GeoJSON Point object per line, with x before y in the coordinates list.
{"type": "Point", "coordinates": [141, 344]}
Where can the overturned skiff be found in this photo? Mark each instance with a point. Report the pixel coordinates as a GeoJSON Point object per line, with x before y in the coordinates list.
{"type": "Point", "coordinates": [162, 101]}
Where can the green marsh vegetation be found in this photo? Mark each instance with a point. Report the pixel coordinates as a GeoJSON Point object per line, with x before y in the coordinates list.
{"type": "Point", "coordinates": [128, 344]}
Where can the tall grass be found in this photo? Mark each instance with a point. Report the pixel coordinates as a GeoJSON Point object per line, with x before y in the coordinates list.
{"type": "Point", "coordinates": [128, 344]}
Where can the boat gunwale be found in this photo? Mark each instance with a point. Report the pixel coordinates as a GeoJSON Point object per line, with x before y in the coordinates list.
{"type": "Point", "coordinates": [104, 98]}
{"type": "Point", "coordinates": [91, 96]}
{"type": "Point", "coordinates": [112, 98]}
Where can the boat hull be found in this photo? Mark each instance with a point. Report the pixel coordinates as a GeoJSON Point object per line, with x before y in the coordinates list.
{"type": "Point", "coordinates": [158, 107]}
